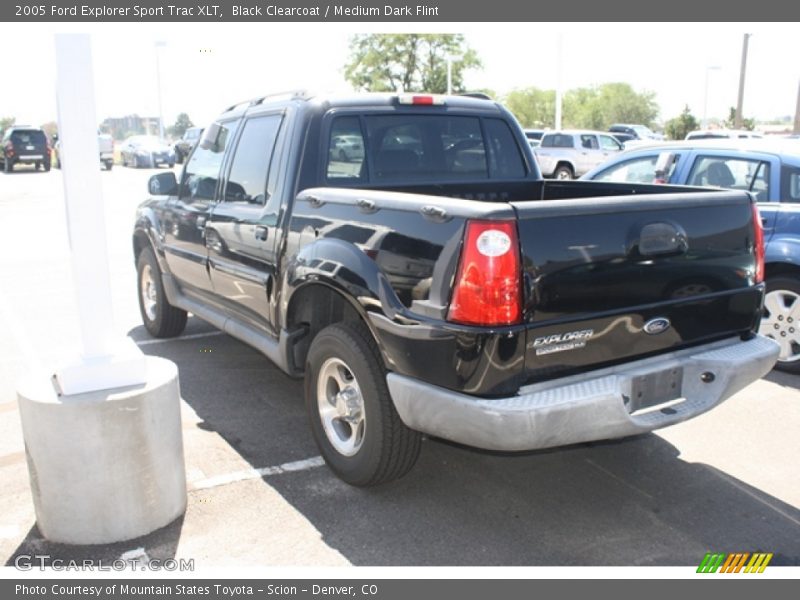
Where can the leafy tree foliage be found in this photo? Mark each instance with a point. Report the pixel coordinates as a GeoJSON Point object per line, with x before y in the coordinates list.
{"type": "Point", "coordinates": [182, 123]}
{"type": "Point", "coordinates": [588, 108]}
{"type": "Point", "coordinates": [730, 122]}
{"type": "Point", "coordinates": [5, 123]}
{"type": "Point", "coordinates": [677, 128]}
{"type": "Point", "coordinates": [533, 107]}
{"type": "Point", "coordinates": [408, 62]}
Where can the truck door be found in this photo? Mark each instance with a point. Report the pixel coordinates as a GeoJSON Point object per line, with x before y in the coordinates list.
{"type": "Point", "coordinates": [186, 215]}
{"type": "Point", "coordinates": [242, 231]}
{"type": "Point", "coordinates": [589, 154]}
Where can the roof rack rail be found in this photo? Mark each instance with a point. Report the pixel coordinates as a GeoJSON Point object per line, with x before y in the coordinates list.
{"type": "Point", "coordinates": [292, 94]}
{"type": "Point", "coordinates": [478, 95]}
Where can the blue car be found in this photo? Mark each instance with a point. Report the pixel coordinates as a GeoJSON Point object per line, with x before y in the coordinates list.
{"type": "Point", "coordinates": [770, 169]}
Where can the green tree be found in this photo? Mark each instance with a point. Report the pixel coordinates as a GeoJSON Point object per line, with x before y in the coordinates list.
{"type": "Point", "coordinates": [182, 123]}
{"type": "Point", "coordinates": [532, 106]}
{"type": "Point", "coordinates": [411, 62]}
{"type": "Point", "coordinates": [600, 106]}
{"type": "Point", "coordinates": [50, 129]}
{"type": "Point", "coordinates": [730, 122]}
{"type": "Point", "coordinates": [5, 123]}
{"type": "Point", "coordinates": [677, 128]}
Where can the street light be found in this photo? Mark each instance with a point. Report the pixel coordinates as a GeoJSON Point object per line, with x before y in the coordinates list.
{"type": "Point", "coordinates": [159, 44]}
{"type": "Point", "coordinates": [449, 58]}
{"type": "Point", "coordinates": [705, 94]}
{"type": "Point", "coordinates": [740, 98]}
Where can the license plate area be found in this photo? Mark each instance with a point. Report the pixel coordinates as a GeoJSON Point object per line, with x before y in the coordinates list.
{"type": "Point", "coordinates": [655, 391]}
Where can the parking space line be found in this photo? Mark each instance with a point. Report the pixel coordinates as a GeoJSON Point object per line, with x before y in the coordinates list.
{"type": "Point", "coordinates": [18, 334]}
{"type": "Point", "coordinates": [735, 482]}
{"type": "Point", "coordinates": [248, 474]}
{"type": "Point", "coordinates": [192, 336]}
{"type": "Point", "coordinates": [619, 479]}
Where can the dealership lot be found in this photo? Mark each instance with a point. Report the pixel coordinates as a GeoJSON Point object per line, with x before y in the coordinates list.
{"type": "Point", "coordinates": [259, 494]}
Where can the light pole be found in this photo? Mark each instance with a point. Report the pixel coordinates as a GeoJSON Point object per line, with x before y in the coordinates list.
{"type": "Point", "coordinates": [705, 94]}
{"type": "Point", "coordinates": [450, 60]}
{"type": "Point", "coordinates": [159, 44]}
{"type": "Point", "coordinates": [740, 100]}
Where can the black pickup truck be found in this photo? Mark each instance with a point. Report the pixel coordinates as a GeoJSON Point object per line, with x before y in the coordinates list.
{"type": "Point", "coordinates": [403, 254]}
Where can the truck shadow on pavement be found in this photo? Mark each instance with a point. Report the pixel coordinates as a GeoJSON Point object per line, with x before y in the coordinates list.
{"type": "Point", "coordinates": [625, 502]}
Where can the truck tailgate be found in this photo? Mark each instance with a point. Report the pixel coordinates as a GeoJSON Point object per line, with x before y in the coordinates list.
{"type": "Point", "coordinates": [609, 279]}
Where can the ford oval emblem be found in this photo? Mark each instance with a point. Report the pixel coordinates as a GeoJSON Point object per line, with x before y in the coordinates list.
{"type": "Point", "coordinates": [656, 326]}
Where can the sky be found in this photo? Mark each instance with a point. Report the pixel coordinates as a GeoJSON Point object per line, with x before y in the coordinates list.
{"type": "Point", "coordinates": [207, 67]}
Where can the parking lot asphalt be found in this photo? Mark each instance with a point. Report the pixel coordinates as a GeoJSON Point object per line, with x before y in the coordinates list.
{"type": "Point", "coordinates": [260, 495]}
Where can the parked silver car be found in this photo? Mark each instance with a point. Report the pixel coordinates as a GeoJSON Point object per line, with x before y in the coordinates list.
{"type": "Point", "coordinates": [571, 153]}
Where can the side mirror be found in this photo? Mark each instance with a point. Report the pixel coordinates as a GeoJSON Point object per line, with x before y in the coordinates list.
{"type": "Point", "coordinates": [163, 184]}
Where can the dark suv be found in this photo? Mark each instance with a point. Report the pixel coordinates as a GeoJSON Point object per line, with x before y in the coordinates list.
{"type": "Point", "coordinates": [25, 145]}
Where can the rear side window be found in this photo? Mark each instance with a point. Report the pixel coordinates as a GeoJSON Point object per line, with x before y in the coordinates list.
{"type": "Point", "coordinates": [790, 184]}
{"type": "Point", "coordinates": [247, 181]}
{"type": "Point", "coordinates": [506, 161]}
{"type": "Point", "coordinates": [346, 149]}
{"type": "Point", "coordinates": [403, 147]}
{"type": "Point", "coordinates": [751, 175]}
{"type": "Point", "coordinates": [201, 175]}
{"type": "Point", "coordinates": [557, 140]}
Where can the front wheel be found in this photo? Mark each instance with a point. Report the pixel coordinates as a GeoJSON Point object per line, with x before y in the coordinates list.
{"type": "Point", "coordinates": [160, 318]}
{"type": "Point", "coordinates": [781, 320]}
{"type": "Point", "coordinates": [353, 419]}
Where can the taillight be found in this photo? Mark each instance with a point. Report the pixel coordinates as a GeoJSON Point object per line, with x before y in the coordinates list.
{"type": "Point", "coordinates": [487, 289]}
{"type": "Point", "coordinates": [10, 149]}
{"type": "Point", "coordinates": [758, 244]}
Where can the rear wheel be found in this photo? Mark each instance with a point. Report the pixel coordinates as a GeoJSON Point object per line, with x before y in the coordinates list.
{"type": "Point", "coordinates": [160, 318]}
{"type": "Point", "coordinates": [109, 165]}
{"type": "Point", "coordinates": [781, 320]}
{"type": "Point", "coordinates": [8, 166]}
{"type": "Point", "coordinates": [563, 172]}
{"type": "Point", "coordinates": [353, 419]}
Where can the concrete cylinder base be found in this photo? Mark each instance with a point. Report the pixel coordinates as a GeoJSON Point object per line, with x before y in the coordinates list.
{"type": "Point", "coordinates": [105, 466]}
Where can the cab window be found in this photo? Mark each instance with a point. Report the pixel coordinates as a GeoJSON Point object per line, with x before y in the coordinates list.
{"type": "Point", "coordinates": [247, 181]}
{"type": "Point", "coordinates": [733, 173]}
{"type": "Point", "coordinates": [637, 170]}
{"type": "Point", "coordinates": [200, 177]}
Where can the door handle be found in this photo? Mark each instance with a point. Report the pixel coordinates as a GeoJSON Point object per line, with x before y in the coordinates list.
{"type": "Point", "coordinates": [261, 233]}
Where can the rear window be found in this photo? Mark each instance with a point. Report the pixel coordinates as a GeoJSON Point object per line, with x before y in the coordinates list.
{"type": "Point", "coordinates": [412, 147]}
{"type": "Point", "coordinates": [28, 136]}
{"type": "Point", "coordinates": [790, 184]}
{"type": "Point", "coordinates": [557, 140]}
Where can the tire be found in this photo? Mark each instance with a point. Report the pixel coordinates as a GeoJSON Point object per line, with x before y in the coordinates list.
{"type": "Point", "coordinates": [8, 166]}
{"type": "Point", "coordinates": [109, 165]}
{"type": "Point", "coordinates": [37, 166]}
{"type": "Point", "coordinates": [781, 320]}
{"type": "Point", "coordinates": [171, 165]}
{"type": "Point", "coordinates": [342, 156]}
{"type": "Point", "coordinates": [563, 172]}
{"type": "Point", "coordinates": [361, 437]}
{"type": "Point", "coordinates": [160, 318]}
{"type": "Point", "coordinates": [46, 166]}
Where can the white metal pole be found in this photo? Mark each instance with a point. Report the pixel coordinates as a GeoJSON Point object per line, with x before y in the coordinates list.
{"type": "Point", "coordinates": [559, 67]}
{"type": "Point", "coordinates": [105, 360]}
{"type": "Point", "coordinates": [449, 75]}
{"type": "Point", "coordinates": [158, 86]}
{"type": "Point", "coordinates": [77, 126]}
